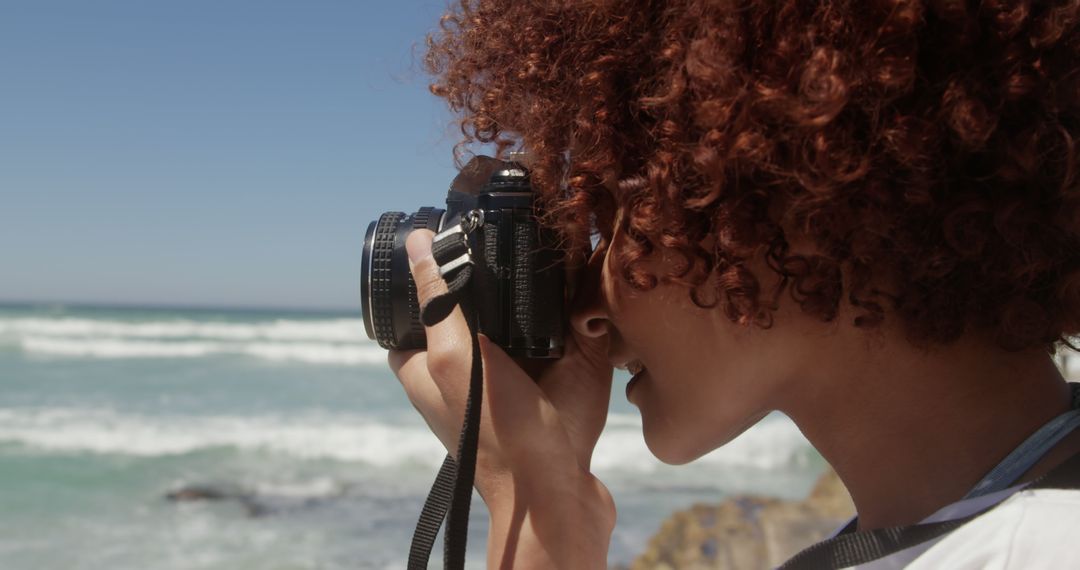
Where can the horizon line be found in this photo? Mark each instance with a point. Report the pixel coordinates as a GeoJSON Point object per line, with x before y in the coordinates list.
{"type": "Point", "coordinates": [23, 303]}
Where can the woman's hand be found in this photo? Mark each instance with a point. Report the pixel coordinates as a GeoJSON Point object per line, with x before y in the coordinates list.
{"type": "Point", "coordinates": [537, 432]}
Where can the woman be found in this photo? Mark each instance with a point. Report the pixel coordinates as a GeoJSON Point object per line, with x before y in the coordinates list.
{"type": "Point", "coordinates": [862, 214]}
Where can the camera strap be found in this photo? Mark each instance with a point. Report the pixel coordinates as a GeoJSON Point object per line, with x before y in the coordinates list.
{"type": "Point", "coordinates": [852, 549]}
{"type": "Point", "coordinates": [451, 495]}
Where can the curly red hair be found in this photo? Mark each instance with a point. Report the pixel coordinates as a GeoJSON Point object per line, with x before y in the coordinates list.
{"type": "Point", "coordinates": [926, 145]}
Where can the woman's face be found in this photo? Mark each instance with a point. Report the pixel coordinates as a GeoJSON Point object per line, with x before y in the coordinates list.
{"type": "Point", "coordinates": [699, 379]}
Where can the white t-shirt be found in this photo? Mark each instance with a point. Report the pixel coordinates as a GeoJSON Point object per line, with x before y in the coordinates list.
{"type": "Point", "coordinates": [1031, 529]}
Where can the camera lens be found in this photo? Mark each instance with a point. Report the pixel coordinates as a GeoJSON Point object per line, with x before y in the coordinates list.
{"type": "Point", "coordinates": [391, 311]}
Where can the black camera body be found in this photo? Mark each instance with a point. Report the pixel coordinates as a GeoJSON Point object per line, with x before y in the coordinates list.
{"type": "Point", "coordinates": [517, 284]}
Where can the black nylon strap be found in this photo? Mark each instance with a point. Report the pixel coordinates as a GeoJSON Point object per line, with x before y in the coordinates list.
{"type": "Point", "coordinates": [862, 547]}
{"type": "Point", "coordinates": [451, 494]}
{"type": "Point", "coordinates": [438, 308]}
{"type": "Point", "coordinates": [431, 517]}
{"type": "Point", "coordinates": [457, 524]}
{"type": "Point", "coordinates": [450, 245]}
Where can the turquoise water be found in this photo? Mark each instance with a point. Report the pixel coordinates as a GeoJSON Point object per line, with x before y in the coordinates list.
{"type": "Point", "coordinates": [295, 418]}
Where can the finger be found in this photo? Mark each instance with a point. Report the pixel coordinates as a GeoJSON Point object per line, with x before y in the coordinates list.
{"type": "Point", "coordinates": [514, 404]}
{"type": "Point", "coordinates": [449, 348]}
{"type": "Point", "coordinates": [410, 367]}
{"type": "Point", "coordinates": [580, 382]}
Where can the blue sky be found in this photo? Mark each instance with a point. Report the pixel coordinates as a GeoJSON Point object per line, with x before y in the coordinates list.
{"type": "Point", "coordinates": [206, 152]}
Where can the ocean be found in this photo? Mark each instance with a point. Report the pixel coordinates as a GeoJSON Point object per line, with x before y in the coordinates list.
{"type": "Point", "coordinates": [294, 423]}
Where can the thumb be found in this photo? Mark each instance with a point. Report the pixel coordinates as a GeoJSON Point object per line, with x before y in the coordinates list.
{"type": "Point", "coordinates": [422, 264]}
{"type": "Point", "coordinates": [448, 342]}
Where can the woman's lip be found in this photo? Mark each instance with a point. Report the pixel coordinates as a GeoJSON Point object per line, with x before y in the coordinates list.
{"type": "Point", "coordinates": [631, 366]}
{"type": "Point", "coordinates": [634, 381]}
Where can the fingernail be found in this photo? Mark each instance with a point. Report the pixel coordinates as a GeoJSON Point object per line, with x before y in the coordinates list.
{"type": "Point", "coordinates": [418, 245]}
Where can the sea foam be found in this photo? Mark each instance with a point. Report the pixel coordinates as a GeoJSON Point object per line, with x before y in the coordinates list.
{"type": "Point", "coordinates": [116, 348]}
{"type": "Point", "coordinates": [328, 342]}
{"type": "Point", "coordinates": [318, 436]}
{"type": "Point", "coordinates": [774, 443]}
{"type": "Point", "coordinates": [328, 330]}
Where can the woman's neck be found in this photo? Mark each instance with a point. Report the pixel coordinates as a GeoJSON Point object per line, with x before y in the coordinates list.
{"type": "Point", "coordinates": [910, 431]}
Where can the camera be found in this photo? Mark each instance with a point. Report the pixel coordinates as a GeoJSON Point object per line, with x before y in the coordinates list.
{"type": "Point", "coordinates": [517, 284]}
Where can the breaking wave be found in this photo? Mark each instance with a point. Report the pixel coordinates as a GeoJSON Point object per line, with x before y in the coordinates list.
{"type": "Point", "coordinates": [311, 353]}
{"type": "Point", "coordinates": [775, 443]}
{"type": "Point", "coordinates": [333, 341]}
{"type": "Point", "coordinates": [329, 330]}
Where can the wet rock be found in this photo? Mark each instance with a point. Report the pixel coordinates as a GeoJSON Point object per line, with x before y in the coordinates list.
{"type": "Point", "coordinates": [198, 493]}
{"type": "Point", "coordinates": [254, 505]}
{"type": "Point", "coordinates": [746, 532]}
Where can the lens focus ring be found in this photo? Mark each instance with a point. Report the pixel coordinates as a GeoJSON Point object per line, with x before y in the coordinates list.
{"type": "Point", "coordinates": [382, 250]}
{"type": "Point", "coordinates": [423, 218]}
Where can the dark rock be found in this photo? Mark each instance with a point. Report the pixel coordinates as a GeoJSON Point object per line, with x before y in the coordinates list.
{"type": "Point", "coordinates": [253, 505]}
{"type": "Point", "coordinates": [199, 493]}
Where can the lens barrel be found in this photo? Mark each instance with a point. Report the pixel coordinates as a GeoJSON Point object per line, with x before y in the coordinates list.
{"type": "Point", "coordinates": [387, 290]}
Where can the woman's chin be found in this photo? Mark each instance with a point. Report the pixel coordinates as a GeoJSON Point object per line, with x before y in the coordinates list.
{"type": "Point", "coordinates": [678, 443]}
{"type": "Point", "coordinates": [669, 446]}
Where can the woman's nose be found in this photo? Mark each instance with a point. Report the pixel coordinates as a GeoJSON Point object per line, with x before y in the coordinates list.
{"type": "Point", "coordinates": [588, 314]}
